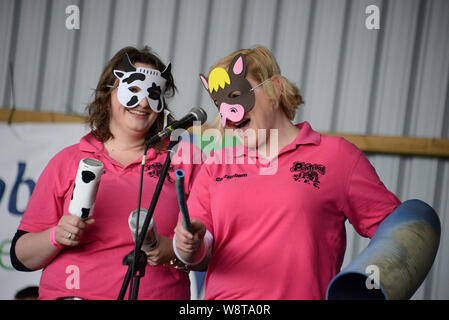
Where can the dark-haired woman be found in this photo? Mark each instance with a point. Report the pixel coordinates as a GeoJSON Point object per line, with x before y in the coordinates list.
{"type": "Point", "coordinates": [83, 258]}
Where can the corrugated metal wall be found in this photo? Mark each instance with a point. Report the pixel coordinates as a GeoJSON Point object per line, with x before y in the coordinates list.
{"type": "Point", "coordinates": [392, 81]}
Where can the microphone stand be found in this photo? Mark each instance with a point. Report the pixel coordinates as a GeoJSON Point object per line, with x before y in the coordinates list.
{"type": "Point", "coordinates": [136, 260]}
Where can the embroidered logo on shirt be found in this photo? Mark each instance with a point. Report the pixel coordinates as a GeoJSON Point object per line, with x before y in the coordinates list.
{"type": "Point", "coordinates": [243, 175]}
{"type": "Point", "coordinates": [155, 170]}
{"type": "Point", "coordinates": [308, 173]}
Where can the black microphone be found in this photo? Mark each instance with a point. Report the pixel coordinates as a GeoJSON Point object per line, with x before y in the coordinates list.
{"type": "Point", "coordinates": [196, 114]}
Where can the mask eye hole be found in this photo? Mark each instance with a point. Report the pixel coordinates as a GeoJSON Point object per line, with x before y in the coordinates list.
{"type": "Point", "coordinates": [234, 94]}
{"type": "Point", "coordinates": [154, 94]}
{"type": "Point", "coordinates": [134, 89]}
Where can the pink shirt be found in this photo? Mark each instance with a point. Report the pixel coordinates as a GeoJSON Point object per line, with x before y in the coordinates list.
{"type": "Point", "coordinates": [94, 270]}
{"type": "Point", "coordinates": [282, 236]}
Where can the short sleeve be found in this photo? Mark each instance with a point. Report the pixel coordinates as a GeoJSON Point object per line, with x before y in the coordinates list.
{"type": "Point", "coordinates": [188, 157]}
{"type": "Point", "coordinates": [46, 203]}
{"type": "Point", "coordinates": [368, 201]}
{"type": "Point", "coordinates": [199, 201]}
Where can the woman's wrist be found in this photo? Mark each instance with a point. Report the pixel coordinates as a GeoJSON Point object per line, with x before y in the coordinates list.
{"type": "Point", "coordinates": [53, 239]}
{"type": "Point", "coordinates": [200, 254]}
{"type": "Point", "coordinates": [177, 264]}
{"type": "Point", "coordinates": [183, 259]}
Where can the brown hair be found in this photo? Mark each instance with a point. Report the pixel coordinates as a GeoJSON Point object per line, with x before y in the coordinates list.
{"type": "Point", "coordinates": [99, 110]}
{"type": "Point", "coordinates": [261, 65]}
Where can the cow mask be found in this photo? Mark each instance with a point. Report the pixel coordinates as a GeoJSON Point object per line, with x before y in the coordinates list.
{"type": "Point", "coordinates": [139, 83]}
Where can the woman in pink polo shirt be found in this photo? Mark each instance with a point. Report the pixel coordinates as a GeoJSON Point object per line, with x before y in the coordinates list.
{"type": "Point", "coordinates": [83, 258]}
{"type": "Point", "coordinates": [268, 216]}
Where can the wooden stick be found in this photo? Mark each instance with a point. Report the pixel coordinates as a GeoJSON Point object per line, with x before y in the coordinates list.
{"type": "Point", "coordinates": [398, 145]}
{"type": "Point", "coordinates": [35, 116]}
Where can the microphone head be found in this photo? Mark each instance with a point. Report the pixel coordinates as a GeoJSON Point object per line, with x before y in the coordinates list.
{"type": "Point", "coordinates": [199, 114]}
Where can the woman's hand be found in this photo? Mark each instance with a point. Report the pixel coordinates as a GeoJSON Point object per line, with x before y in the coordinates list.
{"type": "Point", "coordinates": [190, 246]}
{"type": "Point", "coordinates": [35, 250]}
{"type": "Point", "coordinates": [162, 253]}
{"type": "Point", "coordinates": [70, 229]}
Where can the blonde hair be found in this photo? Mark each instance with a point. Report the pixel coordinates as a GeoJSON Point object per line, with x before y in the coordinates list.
{"type": "Point", "coordinates": [261, 65]}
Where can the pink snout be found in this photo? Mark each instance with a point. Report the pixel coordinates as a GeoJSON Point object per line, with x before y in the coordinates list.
{"type": "Point", "coordinates": [233, 112]}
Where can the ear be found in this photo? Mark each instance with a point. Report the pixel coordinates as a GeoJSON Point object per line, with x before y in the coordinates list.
{"type": "Point", "coordinates": [119, 74]}
{"type": "Point", "coordinates": [166, 73]}
{"type": "Point", "coordinates": [127, 65]}
{"type": "Point", "coordinates": [205, 82]}
{"type": "Point", "coordinates": [238, 66]}
{"type": "Point", "coordinates": [277, 81]}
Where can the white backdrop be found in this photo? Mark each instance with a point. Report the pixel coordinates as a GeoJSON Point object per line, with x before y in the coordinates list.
{"type": "Point", "coordinates": [25, 151]}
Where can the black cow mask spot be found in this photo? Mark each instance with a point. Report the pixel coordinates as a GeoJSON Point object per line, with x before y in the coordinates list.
{"type": "Point", "coordinates": [134, 77]}
{"type": "Point", "coordinates": [85, 213]}
{"type": "Point", "coordinates": [87, 176]}
{"type": "Point", "coordinates": [132, 101]}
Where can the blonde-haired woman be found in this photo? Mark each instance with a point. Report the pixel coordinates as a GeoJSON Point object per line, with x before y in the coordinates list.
{"type": "Point", "coordinates": [276, 234]}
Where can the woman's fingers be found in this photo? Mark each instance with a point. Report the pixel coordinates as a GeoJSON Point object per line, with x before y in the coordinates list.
{"type": "Point", "coordinates": [70, 229]}
{"type": "Point", "coordinates": [187, 242]}
{"type": "Point", "coordinates": [162, 253]}
{"type": "Point", "coordinates": [198, 227]}
{"type": "Point", "coordinates": [182, 233]}
{"type": "Point", "coordinates": [66, 238]}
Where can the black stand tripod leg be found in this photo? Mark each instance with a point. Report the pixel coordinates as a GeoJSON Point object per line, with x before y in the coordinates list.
{"type": "Point", "coordinates": [141, 264]}
{"type": "Point", "coordinates": [125, 284]}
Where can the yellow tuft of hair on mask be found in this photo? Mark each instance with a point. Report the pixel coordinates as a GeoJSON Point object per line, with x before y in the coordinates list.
{"type": "Point", "coordinates": [218, 77]}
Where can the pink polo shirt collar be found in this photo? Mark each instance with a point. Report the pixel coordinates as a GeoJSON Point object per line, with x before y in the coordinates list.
{"type": "Point", "coordinates": [307, 135]}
